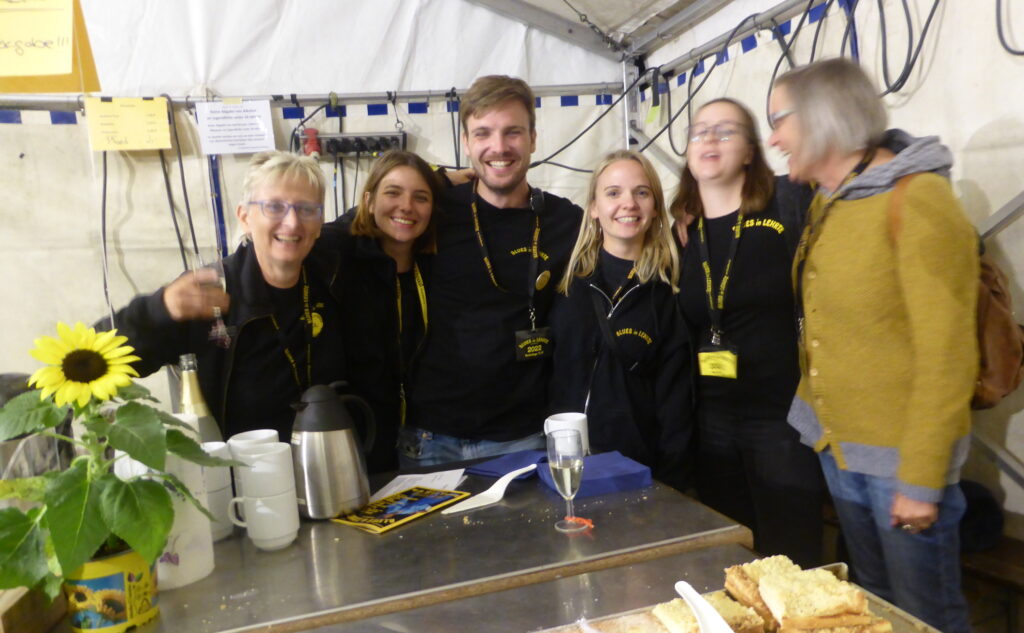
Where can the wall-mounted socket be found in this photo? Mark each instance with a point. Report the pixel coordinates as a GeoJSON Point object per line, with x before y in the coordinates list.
{"type": "Point", "coordinates": [352, 143]}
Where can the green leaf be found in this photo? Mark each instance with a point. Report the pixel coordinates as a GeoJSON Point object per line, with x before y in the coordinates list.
{"type": "Point", "coordinates": [183, 490]}
{"type": "Point", "coordinates": [26, 413]}
{"type": "Point", "coordinates": [170, 420]}
{"type": "Point", "coordinates": [73, 516]}
{"type": "Point", "coordinates": [135, 391]}
{"type": "Point", "coordinates": [51, 586]}
{"type": "Point", "coordinates": [140, 512]}
{"type": "Point", "coordinates": [187, 448]}
{"type": "Point", "coordinates": [22, 555]}
{"type": "Point", "coordinates": [26, 488]}
{"type": "Point", "coordinates": [97, 425]}
{"type": "Point", "coordinates": [139, 433]}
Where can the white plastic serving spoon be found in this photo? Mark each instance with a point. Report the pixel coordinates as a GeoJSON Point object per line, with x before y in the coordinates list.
{"type": "Point", "coordinates": [709, 620]}
{"type": "Point", "coordinates": [489, 496]}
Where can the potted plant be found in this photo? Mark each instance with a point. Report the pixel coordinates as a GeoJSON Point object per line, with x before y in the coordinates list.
{"type": "Point", "coordinates": [86, 511]}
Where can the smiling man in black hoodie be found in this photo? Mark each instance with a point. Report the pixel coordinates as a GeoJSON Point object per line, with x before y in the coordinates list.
{"type": "Point", "coordinates": [479, 388]}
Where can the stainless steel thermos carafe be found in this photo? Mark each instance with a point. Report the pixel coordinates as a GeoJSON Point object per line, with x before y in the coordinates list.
{"type": "Point", "coordinates": [330, 470]}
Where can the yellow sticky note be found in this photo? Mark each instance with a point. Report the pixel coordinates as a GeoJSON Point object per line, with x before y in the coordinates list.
{"type": "Point", "coordinates": [81, 78]}
{"type": "Point", "coordinates": [127, 123]}
{"type": "Point", "coordinates": [35, 38]}
{"type": "Point", "coordinates": [654, 114]}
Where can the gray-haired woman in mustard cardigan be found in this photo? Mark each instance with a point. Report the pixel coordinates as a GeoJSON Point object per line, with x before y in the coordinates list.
{"type": "Point", "coordinates": [886, 293]}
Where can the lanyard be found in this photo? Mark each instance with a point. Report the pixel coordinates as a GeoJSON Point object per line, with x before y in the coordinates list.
{"type": "Point", "coordinates": [307, 315]}
{"type": "Point", "coordinates": [537, 206]}
{"type": "Point", "coordinates": [421, 292]}
{"type": "Point", "coordinates": [813, 231]}
{"type": "Point", "coordinates": [715, 304]}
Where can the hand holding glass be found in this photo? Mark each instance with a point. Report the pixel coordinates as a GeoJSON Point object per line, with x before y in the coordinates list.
{"type": "Point", "coordinates": [565, 458]}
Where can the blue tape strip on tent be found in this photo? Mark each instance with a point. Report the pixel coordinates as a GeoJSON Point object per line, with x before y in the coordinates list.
{"type": "Point", "coordinates": [662, 87]}
{"type": "Point", "coordinates": [63, 118]}
{"type": "Point", "coordinates": [603, 100]}
{"type": "Point", "coordinates": [536, 102]}
{"type": "Point", "coordinates": [681, 79]}
{"type": "Point", "coordinates": [816, 13]}
{"type": "Point", "coordinates": [376, 109]}
{"type": "Point", "coordinates": [784, 28]}
{"type": "Point", "coordinates": [10, 116]}
{"type": "Point", "coordinates": [293, 113]}
{"type": "Point", "coordinates": [721, 57]}
{"type": "Point", "coordinates": [749, 43]}
{"type": "Point", "coordinates": [418, 107]}
{"type": "Point", "coordinates": [570, 100]}
{"type": "Point", "coordinates": [452, 106]}
{"type": "Point", "coordinates": [336, 112]}
{"type": "Point", "coordinates": [698, 69]}
{"type": "Point", "coordinates": [643, 95]}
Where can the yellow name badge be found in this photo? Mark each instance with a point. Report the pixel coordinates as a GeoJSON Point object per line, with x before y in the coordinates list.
{"type": "Point", "coordinates": [720, 364]}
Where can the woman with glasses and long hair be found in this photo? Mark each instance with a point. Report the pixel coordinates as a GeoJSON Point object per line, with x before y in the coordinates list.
{"type": "Point", "coordinates": [887, 288]}
{"type": "Point", "coordinates": [271, 331]}
{"type": "Point", "coordinates": [740, 225]}
{"type": "Point", "coordinates": [622, 353]}
{"type": "Point", "coordinates": [386, 248]}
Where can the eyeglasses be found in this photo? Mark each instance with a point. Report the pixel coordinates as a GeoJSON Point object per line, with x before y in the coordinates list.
{"type": "Point", "coordinates": [776, 117]}
{"type": "Point", "coordinates": [277, 209]}
{"type": "Point", "coordinates": [722, 132]}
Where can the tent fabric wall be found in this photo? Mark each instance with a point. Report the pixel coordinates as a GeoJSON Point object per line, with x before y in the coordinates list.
{"type": "Point", "coordinates": [964, 89]}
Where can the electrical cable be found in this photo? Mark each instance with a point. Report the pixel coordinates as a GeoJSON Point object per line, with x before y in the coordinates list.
{"type": "Point", "coordinates": [181, 173]}
{"type": "Point", "coordinates": [170, 203]}
{"type": "Point", "coordinates": [355, 182]}
{"type": "Point", "coordinates": [103, 242]}
{"type": "Point", "coordinates": [785, 55]}
{"type": "Point", "coordinates": [453, 98]}
{"type": "Point", "coordinates": [780, 37]}
{"type": "Point", "coordinates": [569, 167]}
{"type": "Point", "coordinates": [909, 67]}
{"type": "Point", "coordinates": [668, 106]}
{"type": "Point", "coordinates": [293, 143]}
{"type": "Point", "coordinates": [1001, 31]}
{"type": "Point", "coordinates": [589, 127]}
{"type": "Point", "coordinates": [334, 185]}
{"type": "Point", "coordinates": [885, 42]}
{"type": "Point", "coordinates": [817, 31]}
{"type": "Point", "coordinates": [725, 48]}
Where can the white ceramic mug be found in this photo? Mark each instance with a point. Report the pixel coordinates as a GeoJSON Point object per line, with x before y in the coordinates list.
{"type": "Point", "coordinates": [574, 421]}
{"type": "Point", "coordinates": [268, 470]}
{"type": "Point", "coordinates": [271, 522]}
{"type": "Point", "coordinates": [239, 441]}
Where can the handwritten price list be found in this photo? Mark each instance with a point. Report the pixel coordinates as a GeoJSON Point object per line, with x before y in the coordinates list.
{"type": "Point", "coordinates": [35, 37]}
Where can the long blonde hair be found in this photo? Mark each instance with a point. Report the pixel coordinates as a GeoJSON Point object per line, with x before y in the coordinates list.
{"type": "Point", "coordinates": [658, 256]}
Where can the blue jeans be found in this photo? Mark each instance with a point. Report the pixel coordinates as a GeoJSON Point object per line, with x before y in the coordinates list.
{"type": "Point", "coordinates": [418, 447]}
{"type": "Point", "coordinates": [919, 573]}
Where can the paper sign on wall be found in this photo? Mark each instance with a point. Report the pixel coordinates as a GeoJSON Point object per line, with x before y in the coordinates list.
{"type": "Point", "coordinates": [127, 123]}
{"type": "Point", "coordinates": [35, 37]}
{"type": "Point", "coordinates": [235, 128]}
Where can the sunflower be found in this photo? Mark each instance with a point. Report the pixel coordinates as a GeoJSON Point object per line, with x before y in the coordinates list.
{"type": "Point", "coordinates": [111, 604]}
{"type": "Point", "coordinates": [82, 364]}
{"type": "Point", "coordinates": [80, 597]}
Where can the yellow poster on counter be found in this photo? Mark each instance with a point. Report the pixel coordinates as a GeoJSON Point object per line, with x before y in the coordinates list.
{"type": "Point", "coordinates": [35, 37]}
{"type": "Point", "coordinates": [127, 123]}
{"type": "Point", "coordinates": [80, 77]}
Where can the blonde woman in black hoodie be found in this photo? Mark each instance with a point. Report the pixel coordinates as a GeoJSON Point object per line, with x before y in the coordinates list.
{"type": "Point", "coordinates": [622, 352]}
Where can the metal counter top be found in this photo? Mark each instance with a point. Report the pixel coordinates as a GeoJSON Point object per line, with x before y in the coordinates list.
{"type": "Point", "coordinates": [335, 573]}
{"type": "Point", "coordinates": [593, 596]}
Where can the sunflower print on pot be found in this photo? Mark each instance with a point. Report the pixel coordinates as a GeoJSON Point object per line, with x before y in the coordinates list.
{"type": "Point", "coordinates": [82, 364]}
{"type": "Point", "coordinates": [111, 604]}
{"type": "Point", "coordinates": [80, 597]}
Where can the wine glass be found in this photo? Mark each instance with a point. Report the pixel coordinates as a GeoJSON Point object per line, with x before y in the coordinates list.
{"type": "Point", "coordinates": [565, 458]}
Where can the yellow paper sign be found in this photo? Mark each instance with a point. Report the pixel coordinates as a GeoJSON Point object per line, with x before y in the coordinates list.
{"type": "Point", "coordinates": [35, 37]}
{"type": "Point", "coordinates": [81, 78]}
{"type": "Point", "coordinates": [127, 123]}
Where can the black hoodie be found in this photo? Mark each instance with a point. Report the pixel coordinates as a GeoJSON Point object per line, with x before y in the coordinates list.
{"type": "Point", "coordinates": [638, 398]}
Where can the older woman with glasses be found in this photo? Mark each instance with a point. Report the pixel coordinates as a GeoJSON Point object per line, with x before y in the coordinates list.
{"type": "Point", "coordinates": [743, 226]}
{"type": "Point", "coordinates": [887, 282]}
{"type": "Point", "coordinates": [271, 331]}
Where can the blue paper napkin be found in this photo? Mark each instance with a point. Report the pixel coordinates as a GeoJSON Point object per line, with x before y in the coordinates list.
{"type": "Point", "coordinates": [604, 473]}
{"type": "Point", "coordinates": [507, 463]}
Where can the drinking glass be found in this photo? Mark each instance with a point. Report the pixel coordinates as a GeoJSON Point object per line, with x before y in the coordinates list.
{"type": "Point", "coordinates": [565, 458]}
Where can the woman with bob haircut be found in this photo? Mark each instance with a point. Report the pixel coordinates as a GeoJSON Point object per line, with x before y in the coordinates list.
{"type": "Point", "coordinates": [279, 303]}
{"type": "Point", "coordinates": [741, 228]}
{"type": "Point", "coordinates": [622, 354]}
{"type": "Point", "coordinates": [386, 247]}
{"type": "Point", "coordinates": [888, 354]}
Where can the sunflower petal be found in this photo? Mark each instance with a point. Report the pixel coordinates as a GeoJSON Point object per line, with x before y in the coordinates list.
{"type": "Point", "coordinates": [84, 395]}
{"type": "Point", "coordinates": [103, 339]}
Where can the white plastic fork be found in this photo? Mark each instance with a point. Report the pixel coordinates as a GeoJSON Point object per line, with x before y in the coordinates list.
{"type": "Point", "coordinates": [493, 494]}
{"type": "Point", "coordinates": [708, 618]}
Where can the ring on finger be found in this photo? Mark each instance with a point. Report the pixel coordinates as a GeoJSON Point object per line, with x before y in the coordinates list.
{"type": "Point", "coordinates": [906, 527]}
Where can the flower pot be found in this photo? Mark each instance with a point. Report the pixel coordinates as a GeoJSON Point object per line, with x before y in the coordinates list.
{"type": "Point", "coordinates": [112, 594]}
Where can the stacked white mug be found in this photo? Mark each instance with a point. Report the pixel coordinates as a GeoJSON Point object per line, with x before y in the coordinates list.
{"type": "Point", "coordinates": [218, 490]}
{"type": "Point", "coordinates": [268, 494]}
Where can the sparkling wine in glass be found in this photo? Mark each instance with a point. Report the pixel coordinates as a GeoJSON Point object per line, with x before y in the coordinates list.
{"type": "Point", "coordinates": [565, 458]}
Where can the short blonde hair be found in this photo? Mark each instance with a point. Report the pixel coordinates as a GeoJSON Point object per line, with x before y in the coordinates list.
{"type": "Point", "coordinates": [837, 108]}
{"type": "Point", "coordinates": [276, 165]}
{"type": "Point", "coordinates": [364, 224]}
{"type": "Point", "coordinates": [658, 257]}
